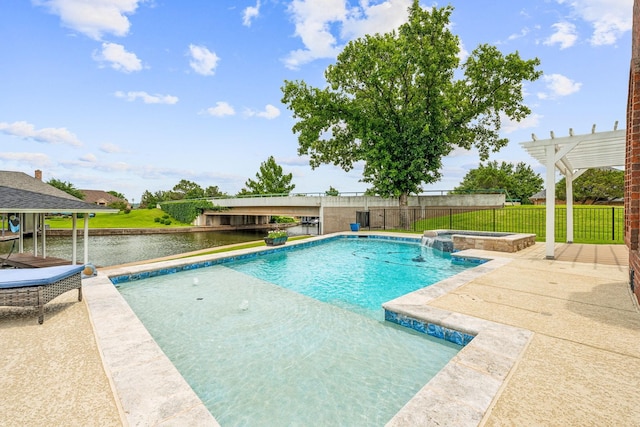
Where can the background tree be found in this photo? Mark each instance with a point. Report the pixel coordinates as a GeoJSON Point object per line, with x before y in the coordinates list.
{"type": "Point", "coordinates": [595, 185]}
{"type": "Point", "coordinates": [116, 194]}
{"type": "Point", "coordinates": [519, 182]}
{"type": "Point", "coordinates": [332, 192]}
{"type": "Point", "coordinates": [67, 187]}
{"type": "Point", "coordinates": [269, 180]}
{"type": "Point", "coordinates": [214, 191]}
{"type": "Point", "coordinates": [186, 189]}
{"type": "Point", "coordinates": [151, 200]}
{"type": "Point", "coordinates": [401, 101]}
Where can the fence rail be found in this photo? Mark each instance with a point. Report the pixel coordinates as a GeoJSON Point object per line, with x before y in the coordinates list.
{"type": "Point", "coordinates": [597, 224]}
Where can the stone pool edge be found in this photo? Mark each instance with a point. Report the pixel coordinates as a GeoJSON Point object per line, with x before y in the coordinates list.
{"type": "Point", "coordinates": [463, 391]}
{"type": "Point", "coordinates": [150, 390]}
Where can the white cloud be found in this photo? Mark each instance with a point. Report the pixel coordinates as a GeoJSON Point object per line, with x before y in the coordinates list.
{"type": "Point", "coordinates": [146, 98]}
{"type": "Point", "coordinates": [558, 85]}
{"type": "Point", "coordinates": [89, 158]}
{"type": "Point", "coordinates": [33, 159]}
{"type": "Point", "coordinates": [250, 13]}
{"type": "Point", "coordinates": [270, 112]}
{"type": "Point", "coordinates": [523, 33]}
{"type": "Point", "coordinates": [379, 18]}
{"type": "Point", "coordinates": [531, 121]}
{"type": "Point", "coordinates": [317, 23]}
{"type": "Point", "coordinates": [203, 61]}
{"type": "Point", "coordinates": [110, 148]}
{"type": "Point", "coordinates": [565, 35]}
{"type": "Point", "coordinates": [118, 58]}
{"type": "Point", "coordinates": [26, 130]}
{"type": "Point", "coordinates": [93, 18]}
{"type": "Point", "coordinates": [609, 18]}
{"type": "Point", "coordinates": [221, 109]}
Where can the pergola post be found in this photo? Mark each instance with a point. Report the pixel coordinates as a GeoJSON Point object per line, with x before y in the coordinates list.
{"type": "Point", "coordinates": [550, 183]}
{"type": "Point", "coordinates": [569, 192]}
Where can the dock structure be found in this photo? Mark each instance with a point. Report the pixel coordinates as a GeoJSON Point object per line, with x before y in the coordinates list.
{"type": "Point", "coordinates": [26, 260]}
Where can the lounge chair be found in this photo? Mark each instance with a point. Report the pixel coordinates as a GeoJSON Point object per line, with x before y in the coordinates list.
{"type": "Point", "coordinates": [34, 287]}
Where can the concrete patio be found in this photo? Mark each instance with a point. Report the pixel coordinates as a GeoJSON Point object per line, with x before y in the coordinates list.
{"type": "Point", "coordinates": [580, 368]}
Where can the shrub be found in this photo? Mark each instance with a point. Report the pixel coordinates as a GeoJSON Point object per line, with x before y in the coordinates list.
{"type": "Point", "coordinates": [156, 219]}
{"type": "Point", "coordinates": [277, 233]}
{"type": "Point", "coordinates": [187, 210]}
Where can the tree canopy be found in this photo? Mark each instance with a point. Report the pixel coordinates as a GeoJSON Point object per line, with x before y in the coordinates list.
{"type": "Point", "coordinates": [401, 101]}
{"type": "Point", "coordinates": [594, 185]}
{"type": "Point", "coordinates": [67, 187]}
{"type": "Point", "coordinates": [269, 180]}
{"type": "Point", "coordinates": [519, 182]}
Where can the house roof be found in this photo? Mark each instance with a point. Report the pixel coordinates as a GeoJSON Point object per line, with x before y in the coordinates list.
{"type": "Point", "coordinates": [94, 196]}
{"type": "Point", "coordinates": [21, 193]}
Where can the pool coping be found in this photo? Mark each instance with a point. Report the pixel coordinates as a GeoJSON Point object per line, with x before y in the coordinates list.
{"type": "Point", "coordinates": [149, 390]}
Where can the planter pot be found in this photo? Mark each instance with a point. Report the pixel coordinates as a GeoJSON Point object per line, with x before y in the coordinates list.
{"type": "Point", "coordinates": [355, 226]}
{"type": "Point", "coordinates": [275, 241]}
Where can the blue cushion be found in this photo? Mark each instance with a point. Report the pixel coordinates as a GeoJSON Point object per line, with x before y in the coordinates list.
{"type": "Point", "coordinates": [23, 277]}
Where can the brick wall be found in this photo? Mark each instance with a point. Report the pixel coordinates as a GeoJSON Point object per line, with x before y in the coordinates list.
{"type": "Point", "coordinates": [632, 162]}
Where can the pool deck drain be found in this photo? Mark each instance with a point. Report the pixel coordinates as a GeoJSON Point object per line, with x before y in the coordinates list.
{"type": "Point", "coordinates": [575, 325]}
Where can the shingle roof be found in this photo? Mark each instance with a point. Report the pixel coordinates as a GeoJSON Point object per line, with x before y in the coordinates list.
{"type": "Point", "coordinates": [94, 196]}
{"type": "Point", "coordinates": [21, 193]}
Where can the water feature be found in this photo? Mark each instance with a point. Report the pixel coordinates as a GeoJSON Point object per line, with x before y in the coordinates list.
{"type": "Point", "coordinates": [258, 353]}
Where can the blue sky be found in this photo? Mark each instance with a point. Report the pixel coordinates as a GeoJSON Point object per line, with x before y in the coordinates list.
{"type": "Point", "coordinates": [135, 95]}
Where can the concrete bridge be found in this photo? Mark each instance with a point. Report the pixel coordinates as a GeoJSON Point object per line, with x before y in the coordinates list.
{"type": "Point", "coordinates": [334, 213]}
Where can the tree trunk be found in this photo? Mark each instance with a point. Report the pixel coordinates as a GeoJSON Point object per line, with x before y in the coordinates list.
{"type": "Point", "coordinates": [404, 210]}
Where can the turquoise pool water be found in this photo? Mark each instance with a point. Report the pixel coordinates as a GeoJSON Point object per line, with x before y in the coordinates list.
{"type": "Point", "coordinates": [263, 354]}
{"type": "Point", "coordinates": [356, 274]}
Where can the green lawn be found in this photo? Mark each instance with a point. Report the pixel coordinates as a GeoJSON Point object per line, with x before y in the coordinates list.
{"type": "Point", "coordinates": [137, 218]}
{"type": "Point", "coordinates": [592, 224]}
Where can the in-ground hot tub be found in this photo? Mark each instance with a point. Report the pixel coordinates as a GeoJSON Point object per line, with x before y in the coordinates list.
{"type": "Point", "coordinates": [458, 240]}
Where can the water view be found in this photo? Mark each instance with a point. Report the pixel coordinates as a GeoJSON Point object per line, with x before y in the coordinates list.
{"type": "Point", "coordinates": [106, 251]}
{"type": "Point", "coordinates": [113, 250]}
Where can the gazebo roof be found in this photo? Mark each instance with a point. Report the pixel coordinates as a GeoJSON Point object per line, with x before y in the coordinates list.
{"type": "Point", "coordinates": [21, 193]}
{"type": "Point", "coordinates": [581, 152]}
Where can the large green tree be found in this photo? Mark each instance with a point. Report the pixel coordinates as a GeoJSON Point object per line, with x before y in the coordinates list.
{"type": "Point", "coordinates": [186, 189]}
{"type": "Point", "coordinates": [594, 185]}
{"type": "Point", "coordinates": [67, 187]}
{"type": "Point", "coordinates": [520, 181]}
{"type": "Point", "coordinates": [401, 101]}
{"type": "Point", "coordinates": [269, 180]}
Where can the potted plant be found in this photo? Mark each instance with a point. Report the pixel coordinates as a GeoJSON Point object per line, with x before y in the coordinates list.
{"type": "Point", "coordinates": [276, 237]}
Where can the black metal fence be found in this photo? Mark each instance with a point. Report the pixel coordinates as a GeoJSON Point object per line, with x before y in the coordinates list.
{"type": "Point", "coordinates": [592, 224]}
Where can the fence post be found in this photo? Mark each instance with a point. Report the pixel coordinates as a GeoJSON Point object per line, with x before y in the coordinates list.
{"type": "Point", "coordinates": [450, 219]}
{"type": "Point", "coordinates": [613, 223]}
{"type": "Point", "coordinates": [494, 219]}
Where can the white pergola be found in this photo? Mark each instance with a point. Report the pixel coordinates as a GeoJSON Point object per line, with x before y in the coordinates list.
{"type": "Point", "coordinates": [572, 156]}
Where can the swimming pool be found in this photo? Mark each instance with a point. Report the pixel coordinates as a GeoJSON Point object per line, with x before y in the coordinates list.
{"type": "Point", "coordinates": [269, 356]}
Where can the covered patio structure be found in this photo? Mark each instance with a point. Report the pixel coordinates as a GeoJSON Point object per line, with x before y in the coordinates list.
{"type": "Point", "coordinates": [29, 199]}
{"type": "Point", "coordinates": [572, 156]}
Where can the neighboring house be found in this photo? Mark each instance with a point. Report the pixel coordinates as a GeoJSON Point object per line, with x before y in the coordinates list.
{"type": "Point", "coordinates": [101, 198]}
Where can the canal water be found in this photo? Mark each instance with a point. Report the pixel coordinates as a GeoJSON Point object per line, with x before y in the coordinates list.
{"type": "Point", "coordinates": [106, 251]}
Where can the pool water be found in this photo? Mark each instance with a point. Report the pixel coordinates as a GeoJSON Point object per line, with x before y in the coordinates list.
{"type": "Point", "coordinates": [356, 274]}
{"type": "Point", "coordinates": [261, 354]}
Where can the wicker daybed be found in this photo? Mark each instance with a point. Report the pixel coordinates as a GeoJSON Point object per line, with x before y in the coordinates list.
{"type": "Point", "coordinates": [34, 287]}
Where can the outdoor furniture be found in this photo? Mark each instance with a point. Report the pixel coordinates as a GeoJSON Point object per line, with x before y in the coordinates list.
{"type": "Point", "coordinates": [26, 287]}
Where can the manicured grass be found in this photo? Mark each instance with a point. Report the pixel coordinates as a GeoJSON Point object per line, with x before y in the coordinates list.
{"type": "Point", "coordinates": [592, 224]}
{"type": "Point", "coordinates": [137, 218]}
